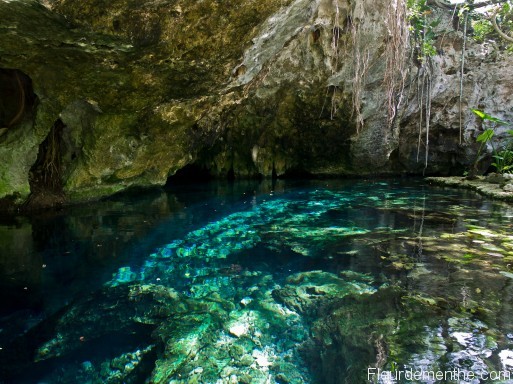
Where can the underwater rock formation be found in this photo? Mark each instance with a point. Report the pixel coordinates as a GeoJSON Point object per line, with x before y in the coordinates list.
{"type": "Point", "coordinates": [143, 89]}
{"type": "Point", "coordinates": [303, 286]}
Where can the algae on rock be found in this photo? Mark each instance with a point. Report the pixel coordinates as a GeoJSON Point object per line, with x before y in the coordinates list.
{"type": "Point", "coordinates": [238, 88]}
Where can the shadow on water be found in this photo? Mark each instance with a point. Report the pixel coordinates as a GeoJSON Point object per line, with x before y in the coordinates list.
{"type": "Point", "coordinates": [258, 281]}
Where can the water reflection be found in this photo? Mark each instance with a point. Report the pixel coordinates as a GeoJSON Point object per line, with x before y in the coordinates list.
{"type": "Point", "coordinates": [259, 282]}
{"type": "Point", "coordinates": [50, 259]}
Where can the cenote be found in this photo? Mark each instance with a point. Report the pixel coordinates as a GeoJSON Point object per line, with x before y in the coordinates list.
{"type": "Point", "coordinates": [260, 282]}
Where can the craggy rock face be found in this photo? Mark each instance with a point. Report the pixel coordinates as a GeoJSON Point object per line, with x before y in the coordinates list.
{"type": "Point", "coordinates": [143, 88]}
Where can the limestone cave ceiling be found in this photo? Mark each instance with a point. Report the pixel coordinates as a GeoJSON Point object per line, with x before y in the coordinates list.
{"type": "Point", "coordinates": [237, 88]}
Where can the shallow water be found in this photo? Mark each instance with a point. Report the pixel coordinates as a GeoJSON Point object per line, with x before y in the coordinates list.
{"type": "Point", "coordinates": [287, 282]}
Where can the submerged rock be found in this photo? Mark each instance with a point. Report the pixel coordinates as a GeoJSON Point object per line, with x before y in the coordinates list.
{"type": "Point", "coordinates": [309, 292]}
{"type": "Point", "coordinates": [111, 321]}
{"type": "Point", "coordinates": [219, 305]}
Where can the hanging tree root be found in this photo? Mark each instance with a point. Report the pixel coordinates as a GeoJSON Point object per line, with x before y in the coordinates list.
{"type": "Point", "coordinates": [395, 55]}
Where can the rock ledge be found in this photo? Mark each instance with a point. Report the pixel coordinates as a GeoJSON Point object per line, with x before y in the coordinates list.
{"type": "Point", "coordinates": [480, 185]}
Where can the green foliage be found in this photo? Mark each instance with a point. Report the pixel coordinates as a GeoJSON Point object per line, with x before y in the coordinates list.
{"type": "Point", "coordinates": [503, 160]}
{"type": "Point", "coordinates": [485, 137]}
{"type": "Point", "coordinates": [505, 17]}
{"type": "Point", "coordinates": [482, 27]}
{"type": "Point", "coordinates": [422, 28]}
{"type": "Point", "coordinates": [428, 50]}
{"type": "Point", "coordinates": [486, 117]}
{"type": "Point", "coordinates": [422, 25]}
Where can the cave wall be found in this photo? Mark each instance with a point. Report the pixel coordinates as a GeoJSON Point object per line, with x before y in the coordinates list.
{"type": "Point", "coordinates": [243, 88]}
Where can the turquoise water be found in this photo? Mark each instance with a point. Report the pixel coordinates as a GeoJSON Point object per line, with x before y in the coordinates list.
{"type": "Point", "coordinates": [333, 281]}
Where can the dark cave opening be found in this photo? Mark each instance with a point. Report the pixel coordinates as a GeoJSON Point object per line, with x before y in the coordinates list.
{"type": "Point", "coordinates": [17, 98]}
{"type": "Point", "coordinates": [296, 173]}
{"type": "Point", "coordinates": [230, 176]}
{"type": "Point", "coordinates": [191, 173]}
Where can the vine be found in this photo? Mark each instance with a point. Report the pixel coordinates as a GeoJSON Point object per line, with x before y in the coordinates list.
{"type": "Point", "coordinates": [462, 70]}
{"type": "Point", "coordinates": [51, 165]}
{"type": "Point", "coordinates": [422, 29]}
{"type": "Point", "coordinates": [395, 54]}
{"type": "Point", "coordinates": [361, 63]}
{"type": "Point", "coordinates": [413, 22]}
{"type": "Point", "coordinates": [475, 22]}
{"type": "Point", "coordinates": [335, 37]}
{"type": "Point", "coordinates": [46, 171]}
{"type": "Point", "coordinates": [422, 32]}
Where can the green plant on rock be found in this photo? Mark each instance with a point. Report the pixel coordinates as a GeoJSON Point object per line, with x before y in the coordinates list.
{"type": "Point", "coordinates": [503, 160]}
{"type": "Point", "coordinates": [495, 25]}
{"type": "Point", "coordinates": [422, 28]}
{"type": "Point", "coordinates": [502, 23]}
{"type": "Point", "coordinates": [482, 29]}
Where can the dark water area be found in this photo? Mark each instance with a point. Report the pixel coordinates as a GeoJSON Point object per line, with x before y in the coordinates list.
{"type": "Point", "coordinates": [325, 281]}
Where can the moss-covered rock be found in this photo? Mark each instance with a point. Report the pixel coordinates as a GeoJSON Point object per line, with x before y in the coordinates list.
{"type": "Point", "coordinates": [480, 185]}
{"type": "Point", "coordinates": [136, 84]}
{"type": "Point", "coordinates": [238, 88]}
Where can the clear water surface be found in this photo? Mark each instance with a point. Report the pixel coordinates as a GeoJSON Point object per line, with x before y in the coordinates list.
{"type": "Point", "coordinates": [333, 281]}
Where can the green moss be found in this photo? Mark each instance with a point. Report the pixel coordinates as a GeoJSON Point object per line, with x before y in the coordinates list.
{"type": "Point", "coordinates": [479, 185]}
{"type": "Point", "coordinates": [18, 151]}
{"type": "Point", "coordinates": [84, 194]}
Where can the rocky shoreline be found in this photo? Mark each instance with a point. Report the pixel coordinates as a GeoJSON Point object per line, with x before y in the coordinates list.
{"type": "Point", "coordinates": [494, 186]}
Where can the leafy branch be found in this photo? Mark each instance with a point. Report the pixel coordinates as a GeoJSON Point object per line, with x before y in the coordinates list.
{"type": "Point", "coordinates": [487, 137]}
